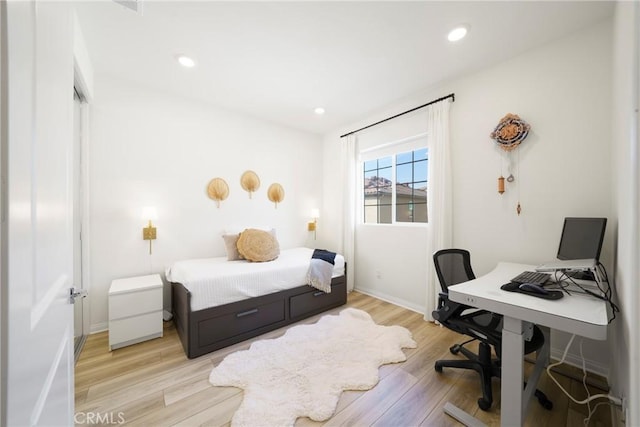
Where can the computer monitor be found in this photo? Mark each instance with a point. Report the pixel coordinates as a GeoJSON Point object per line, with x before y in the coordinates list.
{"type": "Point", "coordinates": [582, 238]}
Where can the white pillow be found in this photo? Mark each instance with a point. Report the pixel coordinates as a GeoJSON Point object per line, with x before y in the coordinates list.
{"type": "Point", "coordinates": [231, 246]}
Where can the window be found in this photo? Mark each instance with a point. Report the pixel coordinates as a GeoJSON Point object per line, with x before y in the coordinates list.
{"type": "Point", "coordinates": [411, 186]}
{"type": "Point", "coordinates": [395, 188]}
{"type": "Point", "coordinates": [378, 191]}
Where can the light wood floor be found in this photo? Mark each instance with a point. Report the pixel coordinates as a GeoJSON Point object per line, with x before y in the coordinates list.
{"type": "Point", "coordinates": [154, 384]}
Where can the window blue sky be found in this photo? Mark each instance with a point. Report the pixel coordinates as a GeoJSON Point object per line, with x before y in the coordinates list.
{"type": "Point", "coordinates": [412, 167]}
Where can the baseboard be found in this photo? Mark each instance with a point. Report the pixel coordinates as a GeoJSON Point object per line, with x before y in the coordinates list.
{"type": "Point", "coordinates": [576, 360]}
{"type": "Point", "coordinates": [393, 300]}
{"type": "Point", "coordinates": [99, 327]}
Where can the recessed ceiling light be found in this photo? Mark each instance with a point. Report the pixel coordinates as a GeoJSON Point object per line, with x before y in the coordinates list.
{"type": "Point", "coordinates": [319, 110]}
{"type": "Point", "coordinates": [458, 33]}
{"type": "Point", "coordinates": [185, 61]}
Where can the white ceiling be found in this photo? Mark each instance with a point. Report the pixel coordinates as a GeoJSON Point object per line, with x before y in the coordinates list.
{"type": "Point", "coordinates": [280, 60]}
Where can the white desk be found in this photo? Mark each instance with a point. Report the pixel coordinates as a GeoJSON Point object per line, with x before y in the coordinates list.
{"type": "Point", "coordinates": [576, 313]}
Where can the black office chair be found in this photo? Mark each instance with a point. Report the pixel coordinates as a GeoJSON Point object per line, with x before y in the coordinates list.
{"type": "Point", "coordinates": [453, 266]}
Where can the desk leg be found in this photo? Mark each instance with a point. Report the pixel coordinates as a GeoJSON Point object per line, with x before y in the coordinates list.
{"type": "Point", "coordinates": [542, 360]}
{"type": "Point", "coordinates": [512, 372]}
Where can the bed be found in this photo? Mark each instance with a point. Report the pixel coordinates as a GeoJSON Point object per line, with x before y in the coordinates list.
{"type": "Point", "coordinates": [217, 303]}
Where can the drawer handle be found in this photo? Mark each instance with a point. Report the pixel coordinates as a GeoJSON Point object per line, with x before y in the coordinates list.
{"type": "Point", "coordinates": [247, 313]}
{"type": "Point", "coordinates": [317, 294]}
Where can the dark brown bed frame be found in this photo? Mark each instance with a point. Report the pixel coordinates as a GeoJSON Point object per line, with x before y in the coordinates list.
{"type": "Point", "coordinates": [210, 329]}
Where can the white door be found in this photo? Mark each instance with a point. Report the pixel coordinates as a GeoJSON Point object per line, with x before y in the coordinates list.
{"type": "Point", "coordinates": [37, 316]}
{"type": "Point", "coordinates": [78, 314]}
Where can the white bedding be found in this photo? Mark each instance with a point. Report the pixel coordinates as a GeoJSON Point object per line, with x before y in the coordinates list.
{"type": "Point", "coordinates": [217, 281]}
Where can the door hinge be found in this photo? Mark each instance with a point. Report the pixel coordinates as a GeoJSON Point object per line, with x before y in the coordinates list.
{"type": "Point", "coordinates": [75, 294]}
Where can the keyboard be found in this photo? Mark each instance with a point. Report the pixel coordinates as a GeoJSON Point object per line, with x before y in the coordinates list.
{"type": "Point", "coordinates": [531, 277]}
{"type": "Point", "coordinates": [536, 277]}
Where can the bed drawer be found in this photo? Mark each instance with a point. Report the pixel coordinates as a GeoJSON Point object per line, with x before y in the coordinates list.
{"type": "Point", "coordinates": [316, 301]}
{"type": "Point", "coordinates": [230, 325]}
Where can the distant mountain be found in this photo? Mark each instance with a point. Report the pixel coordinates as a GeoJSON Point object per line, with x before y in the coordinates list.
{"type": "Point", "coordinates": [377, 181]}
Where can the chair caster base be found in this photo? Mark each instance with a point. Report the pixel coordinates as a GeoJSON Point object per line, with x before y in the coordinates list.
{"type": "Point", "coordinates": [484, 404]}
{"type": "Point", "coordinates": [543, 400]}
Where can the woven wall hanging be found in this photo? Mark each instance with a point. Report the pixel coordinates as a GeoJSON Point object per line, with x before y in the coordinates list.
{"type": "Point", "coordinates": [250, 182]}
{"type": "Point", "coordinates": [508, 134]}
{"type": "Point", "coordinates": [218, 190]}
{"type": "Point", "coordinates": [275, 193]}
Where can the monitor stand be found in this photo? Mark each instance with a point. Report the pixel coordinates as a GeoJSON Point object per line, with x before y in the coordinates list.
{"type": "Point", "coordinates": [581, 275]}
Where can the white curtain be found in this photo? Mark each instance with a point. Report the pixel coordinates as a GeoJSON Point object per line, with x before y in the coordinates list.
{"type": "Point", "coordinates": [439, 206]}
{"type": "Point", "coordinates": [349, 208]}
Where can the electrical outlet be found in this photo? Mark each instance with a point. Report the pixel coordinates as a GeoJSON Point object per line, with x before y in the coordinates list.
{"type": "Point", "coordinates": [619, 413]}
{"type": "Point", "coordinates": [378, 275]}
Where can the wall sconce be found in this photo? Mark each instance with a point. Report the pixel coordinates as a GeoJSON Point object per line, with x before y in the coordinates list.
{"type": "Point", "coordinates": [149, 232]}
{"type": "Point", "coordinates": [312, 226]}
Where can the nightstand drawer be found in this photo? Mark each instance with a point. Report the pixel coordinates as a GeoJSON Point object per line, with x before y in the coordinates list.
{"type": "Point", "coordinates": [135, 329]}
{"type": "Point", "coordinates": [134, 303]}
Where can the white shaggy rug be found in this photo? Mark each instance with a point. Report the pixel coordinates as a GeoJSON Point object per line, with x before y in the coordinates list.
{"type": "Point", "coordinates": [304, 372]}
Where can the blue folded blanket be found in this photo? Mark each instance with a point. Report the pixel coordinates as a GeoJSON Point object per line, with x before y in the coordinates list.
{"type": "Point", "coordinates": [321, 269]}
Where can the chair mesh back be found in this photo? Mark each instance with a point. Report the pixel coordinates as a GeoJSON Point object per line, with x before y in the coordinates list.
{"type": "Point", "coordinates": [453, 266]}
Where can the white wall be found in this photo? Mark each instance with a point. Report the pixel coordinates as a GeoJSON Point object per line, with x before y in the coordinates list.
{"type": "Point", "coordinates": [392, 243]}
{"type": "Point", "coordinates": [625, 352]}
{"type": "Point", "coordinates": [564, 91]}
{"type": "Point", "coordinates": [149, 148]}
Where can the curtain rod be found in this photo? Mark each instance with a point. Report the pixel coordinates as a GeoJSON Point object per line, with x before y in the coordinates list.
{"type": "Point", "coordinates": [451, 95]}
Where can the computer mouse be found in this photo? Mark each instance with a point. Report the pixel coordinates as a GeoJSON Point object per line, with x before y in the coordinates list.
{"type": "Point", "coordinates": [533, 287]}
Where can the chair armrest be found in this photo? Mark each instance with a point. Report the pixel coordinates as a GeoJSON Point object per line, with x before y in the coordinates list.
{"type": "Point", "coordinates": [447, 308]}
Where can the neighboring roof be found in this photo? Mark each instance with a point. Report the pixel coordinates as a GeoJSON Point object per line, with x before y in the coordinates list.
{"type": "Point", "coordinates": [401, 189]}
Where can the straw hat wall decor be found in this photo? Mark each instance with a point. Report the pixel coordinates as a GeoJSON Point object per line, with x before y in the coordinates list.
{"type": "Point", "coordinates": [218, 190]}
{"type": "Point", "coordinates": [275, 193]}
{"type": "Point", "coordinates": [250, 182]}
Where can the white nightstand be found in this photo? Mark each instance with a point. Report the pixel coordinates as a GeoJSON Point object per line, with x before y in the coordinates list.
{"type": "Point", "coordinates": [135, 310]}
